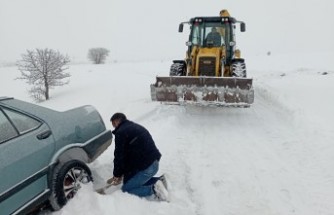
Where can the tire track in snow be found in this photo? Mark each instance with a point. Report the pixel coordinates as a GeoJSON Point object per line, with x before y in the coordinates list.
{"type": "Point", "coordinates": [177, 155]}
{"type": "Point", "coordinates": [175, 151]}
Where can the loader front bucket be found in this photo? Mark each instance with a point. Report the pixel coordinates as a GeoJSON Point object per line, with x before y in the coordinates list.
{"type": "Point", "coordinates": [203, 89]}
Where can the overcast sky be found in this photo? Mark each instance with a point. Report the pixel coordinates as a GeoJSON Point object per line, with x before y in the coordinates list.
{"type": "Point", "coordinates": [147, 29]}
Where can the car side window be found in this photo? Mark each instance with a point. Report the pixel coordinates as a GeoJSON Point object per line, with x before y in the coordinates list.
{"type": "Point", "coordinates": [7, 131]}
{"type": "Point", "coordinates": [22, 122]}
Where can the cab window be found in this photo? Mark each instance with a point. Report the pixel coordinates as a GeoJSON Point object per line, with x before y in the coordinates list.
{"type": "Point", "coordinates": [196, 35]}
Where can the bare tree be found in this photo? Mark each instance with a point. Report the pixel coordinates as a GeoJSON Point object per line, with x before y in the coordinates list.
{"type": "Point", "coordinates": [98, 55]}
{"type": "Point", "coordinates": [44, 69]}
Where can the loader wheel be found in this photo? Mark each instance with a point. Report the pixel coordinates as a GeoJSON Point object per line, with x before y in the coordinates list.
{"type": "Point", "coordinates": [177, 69]}
{"type": "Point", "coordinates": [238, 69]}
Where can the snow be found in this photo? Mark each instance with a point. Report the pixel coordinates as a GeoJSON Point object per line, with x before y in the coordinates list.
{"type": "Point", "coordinates": [274, 158]}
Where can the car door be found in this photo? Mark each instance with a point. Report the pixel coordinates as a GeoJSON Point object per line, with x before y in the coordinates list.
{"type": "Point", "coordinates": [26, 145]}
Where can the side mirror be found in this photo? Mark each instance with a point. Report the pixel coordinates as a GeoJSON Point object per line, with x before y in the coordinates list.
{"type": "Point", "coordinates": [242, 27]}
{"type": "Point", "coordinates": [181, 27]}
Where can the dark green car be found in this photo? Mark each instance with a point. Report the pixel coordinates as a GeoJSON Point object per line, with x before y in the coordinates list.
{"type": "Point", "coordinates": [43, 153]}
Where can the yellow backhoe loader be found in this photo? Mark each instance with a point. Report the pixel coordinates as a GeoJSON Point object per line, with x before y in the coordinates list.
{"type": "Point", "coordinates": [213, 71]}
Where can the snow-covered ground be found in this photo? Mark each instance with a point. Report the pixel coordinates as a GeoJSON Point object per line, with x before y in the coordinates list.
{"type": "Point", "coordinates": [274, 158]}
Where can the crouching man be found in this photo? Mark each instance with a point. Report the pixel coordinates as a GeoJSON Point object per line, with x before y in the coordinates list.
{"type": "Point", "coordinates": [136, 160]}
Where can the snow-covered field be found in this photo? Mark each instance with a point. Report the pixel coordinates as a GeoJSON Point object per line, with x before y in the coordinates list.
{"type": "Point", "coordinates": [274, 158]}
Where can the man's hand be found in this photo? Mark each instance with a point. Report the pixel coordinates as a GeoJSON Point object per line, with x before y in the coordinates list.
{"type": "Point", "coordinates": [115, 180]}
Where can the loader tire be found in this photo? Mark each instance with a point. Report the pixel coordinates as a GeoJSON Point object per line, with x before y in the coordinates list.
{"type": "Point", "coordinates": [238, 69]}
{"type": "Point", "coordinates": [177, 69]}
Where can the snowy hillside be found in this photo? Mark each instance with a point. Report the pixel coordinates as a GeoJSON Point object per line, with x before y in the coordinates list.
{"type": "Point", "coordinates": [274, 158]}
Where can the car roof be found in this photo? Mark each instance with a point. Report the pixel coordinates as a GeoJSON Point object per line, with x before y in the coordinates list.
{"type": "Point", "coordinates": [5, 98]}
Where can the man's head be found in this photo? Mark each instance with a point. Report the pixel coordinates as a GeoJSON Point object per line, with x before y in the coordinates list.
{"type": "Point", "coordinates": [214, 29]}
{"type": "Point", "coordinates": [117, 119]}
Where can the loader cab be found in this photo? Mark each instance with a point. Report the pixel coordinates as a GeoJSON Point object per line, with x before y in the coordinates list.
{"type": "Point", "coordinates": [201, 28]}
{"type": "Point", "coordinates": [207, 34]}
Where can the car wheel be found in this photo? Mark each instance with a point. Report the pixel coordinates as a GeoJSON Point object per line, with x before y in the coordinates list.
{"type": "Point", "coordinates": [67, 180]}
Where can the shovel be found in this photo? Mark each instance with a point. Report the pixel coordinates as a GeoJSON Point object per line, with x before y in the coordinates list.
{"type": "Point", "coordinates": [111, 186]}
{"type": "Point", "coordinates": [107, 189]}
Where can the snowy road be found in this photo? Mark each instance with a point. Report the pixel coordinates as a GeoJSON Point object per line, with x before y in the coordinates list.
{"type": "Point", "coordinates": [235, 161]}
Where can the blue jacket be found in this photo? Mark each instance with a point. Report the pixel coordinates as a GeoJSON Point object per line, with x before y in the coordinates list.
{"type": "Point", "coordinates": [135, 149]}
